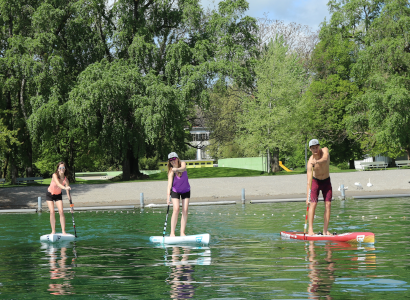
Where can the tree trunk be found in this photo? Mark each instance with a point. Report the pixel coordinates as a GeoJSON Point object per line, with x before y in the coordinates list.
{"type": "Point", "coordinates": [133, 165]}
{"type": "Point", "coordinates": [5, 166]}
{"type": "Point", "coordinates": [275, 161]}
{"type": "Point", "coordinates": [126, 168]}
{"type": "Point", "coordinates": [408, 153]}
{"type": "Point", "coordinates": [13, 172]}
{"type": "Point", "coordinates": [351, 164]}
{"type": "Point", "coordinates": [29, 167]}
{"type": "Point", "coordinates": [268, 158]}
{"type": "Point", "coordinates": [71, 175]}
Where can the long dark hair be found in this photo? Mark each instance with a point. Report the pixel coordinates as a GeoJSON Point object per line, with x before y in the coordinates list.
{"type": "Point", "coordinates": [65, 171]}
{"type": "Point", "coordinates": [170, 166]}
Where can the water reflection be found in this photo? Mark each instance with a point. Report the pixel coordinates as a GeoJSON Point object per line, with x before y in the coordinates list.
{"type": "Point", "coordinates": [322, 265]}
{"type": "Point", "coordinates": [61, 271]}
{"type": "Point", "coordinates": [181, 263]}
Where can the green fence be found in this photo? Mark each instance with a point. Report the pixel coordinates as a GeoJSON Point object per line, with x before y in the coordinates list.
{"type": "Point", "coordinates": [250, 163]}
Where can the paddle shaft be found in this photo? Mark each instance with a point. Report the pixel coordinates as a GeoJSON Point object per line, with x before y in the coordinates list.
{"type": "Point", "coordinates": [166, 217]}
{"type": "Point", "coordinates": [166, 221]}
{"type": "Point", "coordinates": [72, 212]}
{"type": "Point", "coordinates": [307, 208]}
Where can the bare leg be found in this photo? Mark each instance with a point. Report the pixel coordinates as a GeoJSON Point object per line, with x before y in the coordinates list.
{"type": "Point", "coordinates": [311, 216]}
{"type": "Point", "coordinates": [59, 205]}
{"type": "Point", "coordinates": [326, 217]}
{"type": "Point", "coordinates": [52, 216]}
{"type": "Point", "coordinates": [184, 218]}
{"type": "Point", "coordinates": [175, 213]}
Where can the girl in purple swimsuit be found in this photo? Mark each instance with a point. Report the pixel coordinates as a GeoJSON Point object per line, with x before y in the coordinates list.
{"type": "Point", "coordinates": [178, 188]}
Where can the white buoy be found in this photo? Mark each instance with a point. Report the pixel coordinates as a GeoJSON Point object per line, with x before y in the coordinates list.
{"type": "Point", "coordinates": [369, 184]}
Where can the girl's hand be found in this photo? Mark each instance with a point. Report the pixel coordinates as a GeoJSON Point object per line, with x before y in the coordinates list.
{"type": "Point", "coordinates": [168, 200]}
{"type": "Point", "coordinates": [67, 188]}
{"type": "Point", "coordinates": [174, 170]}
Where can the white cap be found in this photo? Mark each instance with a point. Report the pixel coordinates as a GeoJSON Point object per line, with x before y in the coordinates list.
{"type": "Point", "coordinates": [313, 142]}
{"type": "Point", "coordinates": [172, 155]}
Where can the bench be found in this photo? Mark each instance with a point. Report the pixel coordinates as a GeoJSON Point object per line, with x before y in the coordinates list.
{"type": "Point", "coordinates": [29, 180]}
{"type": "Point", "coordinates": [402, 163]}
{"type": "Point", "coordinates": [3, 181]}
{"type": "Point", "coordinates": [373, 164]}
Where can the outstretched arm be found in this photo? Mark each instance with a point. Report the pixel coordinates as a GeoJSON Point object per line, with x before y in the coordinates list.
{"type": "Point", "coordinates": [325, 157]}
{"type": "Point", "coordinates": [57, 182]}
{"type": "Point", "coordinates": [181, 169]}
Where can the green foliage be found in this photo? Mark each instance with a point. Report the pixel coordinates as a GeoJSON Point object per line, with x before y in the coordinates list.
{"type": "Point", "coordinates": [361, 78]}
{"type": "Point", "coordinates": [189, 154]}
{"type": "Point", "coordinates": [343, 166]}
{"type": "Point", "coordinates": [267, 121]}
{"type": "Point", "coordinates": [149, 163]}
{"type": "Point", "coordinates": [222, 118]}
{"type": "Point", "coordinates": [99, 87]}
{"type": "Point", "coordinates": [381, 115]}
{"type": "Point", "coordinates": [325, 107]}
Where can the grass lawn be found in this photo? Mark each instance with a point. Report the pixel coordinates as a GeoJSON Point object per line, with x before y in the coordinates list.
{"type": "Point", "coordinates": [194, 173]}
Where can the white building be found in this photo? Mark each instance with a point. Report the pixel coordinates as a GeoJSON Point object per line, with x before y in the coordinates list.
{"type": "Point", "coordinates": [200, 140]}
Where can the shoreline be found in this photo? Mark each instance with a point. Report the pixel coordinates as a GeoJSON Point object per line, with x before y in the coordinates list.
{"type": "Point", "coordinates": [384, 182]}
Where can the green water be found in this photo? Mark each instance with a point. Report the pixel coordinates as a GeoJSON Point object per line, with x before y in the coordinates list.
{"type": "Point", "coordinates": [247, 259]}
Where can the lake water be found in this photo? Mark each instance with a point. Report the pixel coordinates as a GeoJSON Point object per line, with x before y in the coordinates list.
{"type": "Point", "coordinates": [246, 259]}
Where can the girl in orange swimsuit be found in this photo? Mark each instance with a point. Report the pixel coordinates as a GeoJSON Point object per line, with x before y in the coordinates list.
{"type": "Point", "coordinates": [59, 182]}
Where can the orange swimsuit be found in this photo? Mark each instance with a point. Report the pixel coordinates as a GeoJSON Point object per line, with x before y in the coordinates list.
{"type": "Point", "coordinates": [54, 189]}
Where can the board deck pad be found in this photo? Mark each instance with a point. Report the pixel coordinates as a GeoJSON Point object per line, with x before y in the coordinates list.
{"type": "Point", "coordinates": [52, 238]}
{"type": "Point", "coordinates": [202, 239]}
{"type": "Point", "coordinates": [349, 237]}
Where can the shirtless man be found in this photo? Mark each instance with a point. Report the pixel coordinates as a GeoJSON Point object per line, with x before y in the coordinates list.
{"type": "Point", "coordinates": [320, 161]}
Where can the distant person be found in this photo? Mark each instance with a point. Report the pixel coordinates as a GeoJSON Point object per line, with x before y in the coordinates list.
{"type": "Point", "coordinates": [59, 182]}
{"type": "Point", "coordinates": [319, 161]}
{"type": "Point", "coordinates": [178, 188]}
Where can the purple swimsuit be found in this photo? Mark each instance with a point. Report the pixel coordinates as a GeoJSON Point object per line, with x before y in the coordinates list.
{"type": "Point", "coordinates": [181, 184]}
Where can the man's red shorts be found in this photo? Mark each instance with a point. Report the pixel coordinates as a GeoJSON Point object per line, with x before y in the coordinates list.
{"type": "Point", "coordinates": [323, 185]}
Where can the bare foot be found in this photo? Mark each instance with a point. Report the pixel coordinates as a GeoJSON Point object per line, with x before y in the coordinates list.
{"type": "Point", "coordinates": [172, 235]}
{"type": "Point", "coordinates": [53, 232]}
{"type": "Point", "coordinates": [327, 233]}
{"type": "Point", "coordinates": [310, 233]}
{"type": "Point", "coordinates": [183, 234]}
{"type": "Point", "coordinates": [64, 233]}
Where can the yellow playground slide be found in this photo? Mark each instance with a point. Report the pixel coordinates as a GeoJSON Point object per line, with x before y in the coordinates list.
{"type": "Point", "coordinates": [286, 169]}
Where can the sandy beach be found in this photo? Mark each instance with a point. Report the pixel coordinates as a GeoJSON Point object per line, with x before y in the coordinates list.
{"type": "Point", "coordinates": [385, 182]}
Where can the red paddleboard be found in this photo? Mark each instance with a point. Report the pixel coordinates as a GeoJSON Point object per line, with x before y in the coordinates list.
{"type": "Point", "coordinates": [349, 237]}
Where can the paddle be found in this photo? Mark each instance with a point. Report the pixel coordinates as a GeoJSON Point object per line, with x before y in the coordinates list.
{"type": "Point", "coordinates": [307, 208]}
{"type": "Point", "coordinates": [166, 217]}
{"type": "Point", "coordinates": [72, 212]}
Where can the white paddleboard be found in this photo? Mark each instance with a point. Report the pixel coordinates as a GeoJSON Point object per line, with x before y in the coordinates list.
{"type": "Point", "coordinates": [178, 240]}
{"type": "Point", "coordinates": [57, 237]}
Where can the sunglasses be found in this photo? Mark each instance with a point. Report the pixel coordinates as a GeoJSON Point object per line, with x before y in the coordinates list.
{"type": "Point", "coordinates": [61, 168]}
{"type": "Point", "coordinates": [174, 158]}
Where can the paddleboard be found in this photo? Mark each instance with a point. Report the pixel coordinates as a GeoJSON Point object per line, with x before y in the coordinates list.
{"type": "Point", "coordinates": [52, 238]}
{"type": "Point", "coordinates": [349, 237]}
{"type": "Point", "coordinates": [180, 240]}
